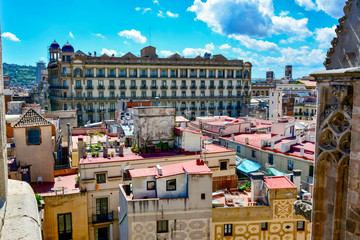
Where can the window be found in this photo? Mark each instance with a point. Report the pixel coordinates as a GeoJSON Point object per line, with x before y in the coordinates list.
{"type": "Point", "coordinates": [300, 225]}
{"type": "Point", "coordinates": [173, 94]}
{"type": "Point", "coordinates": [238, 149]}
{"type": "Point", "coordinates": [290, 165]}
{"type": "Point", "coordinates": [171, 185]}
{"type": "Point", "coordinates": [271, 159]}
{"type": "Point", "coordinates": [122, 94]}
{"type": "Point", "coordinates": [112, 94]}
{"type": "Point", "coordinates": [89, 95]}
{"type": "Point", "coordinates": [101, 178]}
{"type": "Point", "coordinates": [101, 94]}
{"type": "Point", "coordinates": [143, 94]}
{"type": "Point", "coordinates": [64, 226]}
{"type": "Point", "coordinates": [162, 226]}
{"type": "Point", "coordinates": [153, 94]}
{"type": "Point", "coordinates": [311, 171]}
{"type": "Point", "coordinates": [150, 185]}
{"type": "Point", "coordinates": [101, 207]}
{"type": "Point", "coordinates": [101, 83]}
{"type": "Point", "coordinates": [133, 94]}
{"type": "Point", "coordinates": [33, 136]}
{"type": "Point", "coordinates": [227, 229]}
{"type": "Point", "coordinates": [223, 165]}
{"type": "Point", "coordinates": [253, 154]}
{"type": "Point", "coordinates": [203, 196]}
{"type": "Point", "coordinates": [264, 226]}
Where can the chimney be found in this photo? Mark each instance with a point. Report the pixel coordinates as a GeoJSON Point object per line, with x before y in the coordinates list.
{"type": "Point", "coordinates": [157, 101]}
{"type": "Point", "coordinates": [232, 137]}
{"type": "Point", "coordinates": [159, 170]}
{"type": "Point", "coordinates": [81, 152]}
{"type": "Point", "coordinates": [246, 140]}
{"type": "Point", "coordinates": [301, 152]}
{"type": "Point", "coordinates": [272, 144]}
{"type": "Point", "coordinates": [297, 179]}
{"type": "Point", "coordinates": [256, 185]}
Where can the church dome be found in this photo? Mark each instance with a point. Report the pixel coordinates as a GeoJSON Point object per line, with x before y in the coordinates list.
{"type": "Point", "coordinates": [67, 48]}
{"type": "Point", "coordinates": [54, 45]}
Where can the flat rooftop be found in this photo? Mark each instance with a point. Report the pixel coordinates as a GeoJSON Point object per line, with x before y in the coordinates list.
{"type": "Point", "coordinates": [278, 182]}
{"type": "Point", "coordinates": [62, 185]}
{"type": "Point", "coordinates": [130, 156]}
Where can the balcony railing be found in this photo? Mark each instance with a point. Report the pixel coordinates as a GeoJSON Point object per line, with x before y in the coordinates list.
{"type": "Point", "coordinates": [221, 87]}
{"type": "Point", "coordinates": [238, 86]}
{"type": "Point", "coordinates": [78, 87]}
{"type": "Point", "coordinates": [193, 75]}
{"type": "Point", "coordinates": [133, 87]}
{"type": "Point", "coordinates": [90, 110]}
{"type": "Point", "coordinates": [101, 87]}
{"type": "Point", "coordinates": [202, 108]}
{"type": "Point", "coordinates": [174, 87]}
{"type": "Point", "coordinates": [103, 217]}
{"type": "Point", "coordinates": [229, 87]}
{"type": "Point", "coordinates": [183, 108]}
{"type": "Point", "coordinates": [154, 87]}
{"type": "Point", "coordinates": [183, 87]}
{"type": "Point", "coordinates": [143, 87]}
{"type": "Point", "coordinates": [211, 87]}
{"type": "Point", "coordinates": [193, 108]}
{"type": "Point", "coordinates": [59, 87]}
{"type": "Point", "coordinates": [111, 87]}
{"type": "Point", "coordinates": [193, 87]}
{"type": "Point", "coordinates": [203, 87]}
{"type": "Point", "coordinates": [66, 74]}
{"type": "Point", "coordinates": [153, 75]}
{"type": "Point", "coordinates": [221, 108]}
{"type": "Point", "coordinates": [212, 108]}
{"type": "Point", "coordinates": [164, 87]}
{"type": "Point", "coordinates": [89, 87]}
{"type": "Point", "coordinates": [100, 75]}
{"type": "Point", "coordinates": [111, 110]}
{"type": "Point", "coordinates": [143, 75]}
{"type": "Point", "coordinates": [230, 76]}
{"type": "Point", "coordinates": [101, 110]}
{"type": "Point", "coordinates": [122, 87]}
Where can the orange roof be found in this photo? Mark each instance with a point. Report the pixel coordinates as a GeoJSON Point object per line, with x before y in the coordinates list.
{"type": "Point", "coordinates": [189, 167]}
{"type": "Point", "coordinates": [278, 182]}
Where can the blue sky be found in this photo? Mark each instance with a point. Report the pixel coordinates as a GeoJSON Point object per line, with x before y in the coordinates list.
{"type": "Point", "coordinates": [268, 33]}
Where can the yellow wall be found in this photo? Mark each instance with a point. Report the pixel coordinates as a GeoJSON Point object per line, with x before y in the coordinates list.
{"type": "Point", "coordinates": [74, 203]}
{"type": "Point", "coordinates": [40, 157]}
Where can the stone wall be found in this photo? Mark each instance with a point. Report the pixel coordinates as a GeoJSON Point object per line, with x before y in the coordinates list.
{"type": "Point", "coordinates": [336, 213]}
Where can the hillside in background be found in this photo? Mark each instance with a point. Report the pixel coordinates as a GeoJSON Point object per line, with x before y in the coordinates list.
{"type": "Point", "coordinates": [20, 74]}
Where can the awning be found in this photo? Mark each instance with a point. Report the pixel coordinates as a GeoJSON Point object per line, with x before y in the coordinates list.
{"type": "Point", "coordinates": [274, 172]}
{"type": "Point", "coordinates": [248, 166]}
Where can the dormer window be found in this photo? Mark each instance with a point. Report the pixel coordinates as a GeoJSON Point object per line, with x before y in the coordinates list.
{"type": "Point", "coordinates": [171, 185]}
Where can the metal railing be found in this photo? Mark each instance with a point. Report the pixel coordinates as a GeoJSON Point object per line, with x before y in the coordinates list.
{"type": "Point", "coordinates": [103, 217]}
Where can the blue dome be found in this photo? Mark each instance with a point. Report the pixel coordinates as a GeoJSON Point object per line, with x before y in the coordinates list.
{"type": "Point", "coordinates": [55, 45]}
{"type": "Point", "coordinates": [67, 48]}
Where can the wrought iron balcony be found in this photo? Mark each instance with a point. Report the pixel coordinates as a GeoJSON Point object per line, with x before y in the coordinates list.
{"type": "Point", "coordinates": [78, 87]}
{"type": "Point", "coordinates": [111, 110]}
{"type": "Point", "coordinates": [238, 86]}
{"type": "Point", "coordinates": [193, 108]}
{"type": "Point", "coordinates": [122, 87]}
{"type": "Point", "coordinates": [89, 87]}
{"type": "Point", "coordinates": [212, 108]}
{"type": "Point", "coordinates": [89, 75]}
{"type": "Point", "coordinates": [112, 75]}
{"type": "Point", "coordinates": [230, 87]}
{"type": "Point", "coordinates": [221, 87]}
{"type": "Point", "coordinates": [100, 75]}
{"type": "Point", "coordinates": [174, 87]}
{"type": "Point", "coordinates": [111, 87]}
{"type": "Point", "coordinates": [143, 87]}
{"type": "Point", "coordinates": [193, 87]}
{"type": "Point", "coordinates": [154, 87]}
{"type": "Point", "coordinates": [211, 87]}
{"type": "Point", "coordinates": [101, 110]}
{"type": "Point", "coordinates": [133, 87]}
{"type": "Point", "coordinates": [101, 87]}
{"type": "Point", "coordinates": [202, 87]}
{"type": "Point", "coordinates": [103, 217]}
{"type": "Point", "coordinates": [59, 87]}
{"type": "Point", "coordinates": [183, 108]}
{"type": "Point", "coordinates": [183, 87]}
{"type": "Point", "coordinates": [90, 110]}
{"type": "Point", "coordinates": [164, 87]}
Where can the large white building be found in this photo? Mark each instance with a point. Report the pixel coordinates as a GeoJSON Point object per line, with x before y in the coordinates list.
{"type": "Point", "coordinates": [195, 86]}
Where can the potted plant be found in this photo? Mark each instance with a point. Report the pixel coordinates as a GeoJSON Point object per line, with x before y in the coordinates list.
{"type": "Point", "coordinates": [93, 154]}
{"type": "Point", "coordinates": [158, 147]}
{"type": "Point", "coordinates": [112, 154]}
{"type": "Point", "coordinates": [77, 181]}
{"type": "Point", "coordinates": [97, 154]}
{"type": "Point", "coordinates": [143, 149]}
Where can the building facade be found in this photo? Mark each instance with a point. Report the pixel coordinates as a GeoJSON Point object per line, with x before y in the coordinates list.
{"type": "Point", "coordinates": [40, 66]}
{"type": "Point", "coordinates": [194, 86]}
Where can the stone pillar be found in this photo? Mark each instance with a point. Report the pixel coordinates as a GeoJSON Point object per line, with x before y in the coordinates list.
{"type": "Point", "coordinates": [297, 180]}
{"type": "Point", "coordinates": [3, 153]}
{"type": "Point", "coordinates": [256, 182]}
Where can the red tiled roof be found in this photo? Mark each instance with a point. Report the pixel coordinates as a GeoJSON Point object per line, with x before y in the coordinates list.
{"type": "Point", "coordinates": [189, 167]}
{"type": "Point", "coordinates": [278, 182]}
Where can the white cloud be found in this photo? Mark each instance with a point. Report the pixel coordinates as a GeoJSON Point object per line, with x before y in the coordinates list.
{"type": "Point", "coordinates": [193, 52]}
{"type": "Point", "coordinates": [98, 35]}
{"type": "Point", "coordinates": [303, 56]}
{"type": "Point", "coordinates": [252, 43]}
{"type": "Point", "coordinates": [284, 13]}
{"type": "Point", "coordinates": [324, 36]}
{"type": "Point", "coordinates": [71, 35]}
{"type": "Point", "coordinates": [210, 46]}
{"type": "Point", "coordinates": [235, 16]}
{"type": "Point", "coordinates": [134, 35]}
{"type": "Point", "coordinates": [108, 52]}
{"type": "Point", "coordinates": [172, 15]}
{"type": "Point", "coordinates": [42, 58]}
{"type": "Point", "coordinates": [225, 46]}
{"type": "Point", "coordinates": [156, 2]}
{"type": "Point", "coordinates": [307, 4]}
{"type": "Point", "coordinates": [291, 26]}
{"type": "Point", "coordinates": [137, 8]}
{"type": "Point", "coordinates": [334, 8]}
{"type": "Point", "coordinates": [10, 36]}
{"type": "Point", "coordinates": [160, 14]}
{"type": "Point", "coordinates": [166, 53]}
{"type": "Point", "coordinates": [144, 10]}
{"type": "Point", "coordinates": [242, 53]}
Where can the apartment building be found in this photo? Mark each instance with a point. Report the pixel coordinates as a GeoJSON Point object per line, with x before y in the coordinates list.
{"type": "Point", "coordinates": [169, 202]}
{"type": "Point", "coordinates": [194, 86]}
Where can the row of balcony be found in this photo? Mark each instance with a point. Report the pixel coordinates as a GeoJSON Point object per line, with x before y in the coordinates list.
{"type": "Point", "coordinates": [77, 75]}
{"type": "Point", "coordinates": [143, 87]}
{"type": "Point", "coordinates": [92, 110]}
{"type": "Point", "coordinates": [176, 98]}
{"type": "Point", "coordinates": [305, 114]}
{"type": "Point", "coordinates": [192, 108]}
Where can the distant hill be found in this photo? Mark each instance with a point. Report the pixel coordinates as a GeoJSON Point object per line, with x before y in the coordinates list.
{"type": "Point", "coordinates": [20, 74]}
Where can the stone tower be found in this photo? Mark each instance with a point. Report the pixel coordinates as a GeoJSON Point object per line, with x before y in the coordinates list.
{"type": "Point", "coordinates": [336, 203]}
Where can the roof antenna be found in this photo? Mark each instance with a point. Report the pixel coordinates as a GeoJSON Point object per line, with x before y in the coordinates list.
{"type": "Point", "coordinates": [150, 34]}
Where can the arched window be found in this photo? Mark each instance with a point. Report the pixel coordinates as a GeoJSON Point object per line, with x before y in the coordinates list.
{"type": "Point", "coordinates": [246, 73]}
